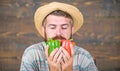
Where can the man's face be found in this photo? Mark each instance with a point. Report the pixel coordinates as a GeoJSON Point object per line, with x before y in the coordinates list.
{"type": "Point", "coordinates": [57, 27]}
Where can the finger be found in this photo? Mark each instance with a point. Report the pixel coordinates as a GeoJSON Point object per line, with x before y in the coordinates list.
{"type": "Point", "coordinates": [53, 53]}
{"type": "Point", "coordinates": [56, 55]}
{"type": "Point", "coordinates": [65, 59]}
{"type": "Point", "coordinates": [60, 58]}
{"type": "Point", "coordinates": [65, 53]}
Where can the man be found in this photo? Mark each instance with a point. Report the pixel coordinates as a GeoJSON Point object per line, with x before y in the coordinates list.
{"type": "Point", "coordinates": [57, 21]}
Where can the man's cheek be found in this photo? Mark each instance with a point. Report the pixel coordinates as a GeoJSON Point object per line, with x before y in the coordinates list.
{"type": "Point", "coordinates": [66, 35]}
{"type": "Point", "coordinates": [51, 35]}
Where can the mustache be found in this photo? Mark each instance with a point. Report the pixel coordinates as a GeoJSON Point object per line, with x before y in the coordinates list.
{"type": "Point", "coordinates": [59, 37]}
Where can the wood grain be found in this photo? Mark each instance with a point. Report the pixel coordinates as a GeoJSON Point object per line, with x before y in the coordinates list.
{"type": "Point", "coordinates": [100, 34]}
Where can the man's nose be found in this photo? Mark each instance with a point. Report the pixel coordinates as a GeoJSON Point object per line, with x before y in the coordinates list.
{"type": "Point", "coordinates": [58, 32]}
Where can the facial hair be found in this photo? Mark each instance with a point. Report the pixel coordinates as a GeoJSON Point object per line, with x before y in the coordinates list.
{"type": "Point", "coordinates": [58, 38]}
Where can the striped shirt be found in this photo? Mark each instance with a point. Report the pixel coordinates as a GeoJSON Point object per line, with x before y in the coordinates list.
{"type": "Point", "coordinates": [34, 59]}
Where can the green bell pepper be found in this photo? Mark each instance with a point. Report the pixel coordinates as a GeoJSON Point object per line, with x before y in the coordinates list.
{"type": "Point", "coordinates": [52, 45]}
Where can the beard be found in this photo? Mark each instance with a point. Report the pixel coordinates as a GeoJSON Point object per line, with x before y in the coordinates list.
{"type": "Point", "coordinates": [56, 38]}
{"type": "Point", "coordinates": [59, 38]}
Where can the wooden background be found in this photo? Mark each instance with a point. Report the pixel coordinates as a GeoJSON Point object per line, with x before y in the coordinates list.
{"type": "Point", "coordinates": [100, 34]}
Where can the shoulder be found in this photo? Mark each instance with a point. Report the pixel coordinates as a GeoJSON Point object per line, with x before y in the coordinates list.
{"type": "Point", "coordinates": [34, 52]}
{"type": "Point", "coordinates": [38, 46]}
{"type": "Point", "coordinates": [82, 57]}
{"type": "Point", "coordinates": [83, 60]}
{"type": "Point", "coordinates": [81, 51]}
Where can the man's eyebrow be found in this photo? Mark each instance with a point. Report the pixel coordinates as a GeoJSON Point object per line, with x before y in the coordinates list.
{"type": "Point", "coordinates": [51, 25]}
{"type": "Point", "coordinates": [65, 25]}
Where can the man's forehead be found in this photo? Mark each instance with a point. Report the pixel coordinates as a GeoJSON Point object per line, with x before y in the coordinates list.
{"type": "Point", "coordinates": [59, 19]}
{"type": "Point", "coordinates": [66, 24]}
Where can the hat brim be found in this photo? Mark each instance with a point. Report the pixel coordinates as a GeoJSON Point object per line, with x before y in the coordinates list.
{"type": "Point", "coordinates": [43, 11]}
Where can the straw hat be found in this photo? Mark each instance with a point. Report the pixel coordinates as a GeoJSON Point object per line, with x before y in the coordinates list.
{"type": "Point", "coordinates": [43, 11]}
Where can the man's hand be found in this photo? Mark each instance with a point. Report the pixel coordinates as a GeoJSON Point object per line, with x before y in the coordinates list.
{"type": "Point", "coordinates": [54, 59]}
{"type": "Point", "coordinates": [67, 61]}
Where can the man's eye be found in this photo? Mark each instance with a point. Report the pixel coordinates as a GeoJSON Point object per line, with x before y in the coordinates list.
{"type": "Point", "coordinates": [52, 27]}
{"type": "Point", "coordinates": [64, 27]}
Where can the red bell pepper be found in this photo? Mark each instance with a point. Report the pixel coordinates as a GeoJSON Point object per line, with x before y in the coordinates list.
{"type": "Point", "coordinates": [66, 44]}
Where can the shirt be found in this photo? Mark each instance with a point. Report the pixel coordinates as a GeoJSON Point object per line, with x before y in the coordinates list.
{"type": "Point", "coordinates": [34, 59]}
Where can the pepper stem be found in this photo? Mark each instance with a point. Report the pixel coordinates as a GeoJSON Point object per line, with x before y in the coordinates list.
{"type": "Point", "coordinates": [71, 39]}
